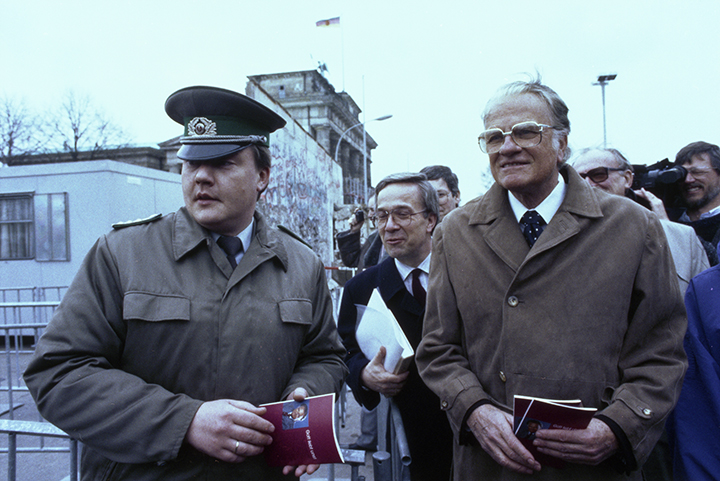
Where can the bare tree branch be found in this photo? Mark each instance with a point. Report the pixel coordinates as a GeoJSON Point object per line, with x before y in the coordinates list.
{"type": "Point", "coordinates": [18, 129]}
{"type": "Point", "coordinates": [78, 127]}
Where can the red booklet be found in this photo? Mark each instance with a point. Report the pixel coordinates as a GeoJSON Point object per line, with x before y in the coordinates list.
{"type": "Point", "coordinates": [532, 414]}
{"type": "Point", "coordinates": [304, 432]}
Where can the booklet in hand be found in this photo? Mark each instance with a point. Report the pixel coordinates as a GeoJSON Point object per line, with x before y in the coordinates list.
{"type": "Point", "coordinates": [532, 414]}
{"type": "Point", "coordinates": [377, 326]}
{"type": "Point", "coordinates": [304, 432]}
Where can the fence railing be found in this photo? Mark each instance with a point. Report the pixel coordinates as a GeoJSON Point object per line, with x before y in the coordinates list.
{"type": "Point", "coordinates": [38, 430]}
{"type": "Point", "coordinates": [22, 322]}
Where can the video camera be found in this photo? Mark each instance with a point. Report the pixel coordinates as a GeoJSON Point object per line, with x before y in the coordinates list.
{"type": "Point", "coordinates": [664, 179]}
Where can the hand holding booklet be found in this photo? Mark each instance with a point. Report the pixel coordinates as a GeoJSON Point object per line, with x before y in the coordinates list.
{"type": "Point", "coordinates": [377, 326]}
{"type": "Point", "coordinates": [532, 414]}
{"type": "Point", "coordinates": [304, 432]}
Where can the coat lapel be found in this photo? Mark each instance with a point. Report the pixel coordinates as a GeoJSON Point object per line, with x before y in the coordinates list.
{"type": "Point", "coordinates": [503, 234]}
{"type": "Point", "coordinates": [393, 291]}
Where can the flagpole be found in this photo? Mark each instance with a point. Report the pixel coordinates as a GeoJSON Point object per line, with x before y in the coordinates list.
{"type": "Point", "coordinates": [342, 53]}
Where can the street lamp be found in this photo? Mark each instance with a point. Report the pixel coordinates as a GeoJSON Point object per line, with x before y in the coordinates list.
{"type": "Point", "coordinates": [602, 80]}
{"type": "Point", "coordinates": [337, 149]}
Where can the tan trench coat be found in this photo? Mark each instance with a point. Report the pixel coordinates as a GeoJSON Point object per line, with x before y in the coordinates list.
{"type": "Point", "coordinates": [593, 311]}
{"type": "Point", "coordinates": [156, 322]}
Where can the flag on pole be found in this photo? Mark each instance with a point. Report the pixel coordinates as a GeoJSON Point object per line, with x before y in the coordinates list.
{"type": "Point", "coordinates": [328, 22]}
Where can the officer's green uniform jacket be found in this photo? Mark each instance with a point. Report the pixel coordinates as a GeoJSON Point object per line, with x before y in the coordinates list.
{"type": "Point", "coordinates": [156, 322]}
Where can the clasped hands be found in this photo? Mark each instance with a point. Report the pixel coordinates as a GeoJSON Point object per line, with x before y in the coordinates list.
{"type": "Point", "coordinates": [493, 429]}
{"type": "Point", "coordinates": [232, 431]}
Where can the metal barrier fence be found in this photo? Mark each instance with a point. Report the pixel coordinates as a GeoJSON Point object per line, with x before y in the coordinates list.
{"type": "Point", "coordinates": [392, 462]}
{"type": "Point", "coordinates": [21, 305]}
{"type": "Point", "coordinates": [40, 430]}
{"type": "Point", "coordinates": [18, 348]}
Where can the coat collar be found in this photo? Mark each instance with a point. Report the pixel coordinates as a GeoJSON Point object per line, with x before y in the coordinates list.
{"type": "Point", "coordinates": [580, 199]}
{"type": "Point", "coordinates": [503, 233]}
{"type": "Point", "coordinates": [267, 243]}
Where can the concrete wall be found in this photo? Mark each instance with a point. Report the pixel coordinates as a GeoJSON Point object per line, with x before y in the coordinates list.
{"type": "Point", "coordinates": [305, 182]}
{"type": "Point", "coordinates": [99, 193]}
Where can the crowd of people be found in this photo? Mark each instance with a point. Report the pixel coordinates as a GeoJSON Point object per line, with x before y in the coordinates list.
{"type": "Point", "coordinates": [560, 282]}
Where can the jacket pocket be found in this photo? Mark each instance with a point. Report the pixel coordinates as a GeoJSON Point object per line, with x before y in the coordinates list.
{"type": "Point", "coordinates": [155, 307]}
{"type": "Point", "coordinates": [296, 311]}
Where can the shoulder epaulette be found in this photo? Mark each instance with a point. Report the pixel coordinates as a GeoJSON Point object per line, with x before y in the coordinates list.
{"type": "Point", "coordinates": [284, 229]}
{"type": "Point", "coordinates": [130, 223]}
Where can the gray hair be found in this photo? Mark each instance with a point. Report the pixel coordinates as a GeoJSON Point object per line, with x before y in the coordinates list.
{"type": "Point", "coordinates": [620, 159]}
{"type": "Point", "coordinates": [556, 105]}
{"type": "Point", "coordinates": [427, 191]}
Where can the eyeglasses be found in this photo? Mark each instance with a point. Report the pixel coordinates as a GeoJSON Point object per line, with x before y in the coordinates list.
{"type": "Point", "coordinates": [401, 217]}
{"type": "Point", "coordinates": [525, 134]}
{"type": "Point", "coordinates": [599, 174]}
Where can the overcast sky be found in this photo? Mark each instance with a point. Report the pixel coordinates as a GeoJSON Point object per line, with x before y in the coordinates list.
{"type": "Point", "coordinates": [431, 64]}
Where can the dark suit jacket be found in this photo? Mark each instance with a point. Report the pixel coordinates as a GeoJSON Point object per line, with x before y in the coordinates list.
{"type": "Point", "coordinates": [427, 428]}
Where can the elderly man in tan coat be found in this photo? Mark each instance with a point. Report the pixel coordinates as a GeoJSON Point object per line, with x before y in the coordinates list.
{"type": "Point", "coordinates": [546, 287]}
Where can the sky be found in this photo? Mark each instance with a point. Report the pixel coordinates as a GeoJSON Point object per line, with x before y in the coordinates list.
{"type": "Point", "coordinates": [431, 65]}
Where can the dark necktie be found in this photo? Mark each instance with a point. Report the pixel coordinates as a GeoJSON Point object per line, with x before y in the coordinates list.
{"type": "Point", "coordinates": [532, 225]}
{"type": "Point", "coordinates": [232, 246]}
{"type": "Point", "coordinates": [418, 290]}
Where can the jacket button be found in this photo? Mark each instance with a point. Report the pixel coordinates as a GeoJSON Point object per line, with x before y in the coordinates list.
{"type": "Point", "coordinates": [647, 412]}
{"type": "Point", "coordinates": [444, 404]}
{"type": "Point", "coordinates": [513, 301]}
{"type": "Point", "coordinates": [502, 377]}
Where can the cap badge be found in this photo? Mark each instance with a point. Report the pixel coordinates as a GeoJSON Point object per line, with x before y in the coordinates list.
{"type": "Point", "coordinates": [201, 126]}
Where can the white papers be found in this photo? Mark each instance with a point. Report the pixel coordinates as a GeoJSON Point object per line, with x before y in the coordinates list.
{"type": "Point", "coordinates": [377, 326]}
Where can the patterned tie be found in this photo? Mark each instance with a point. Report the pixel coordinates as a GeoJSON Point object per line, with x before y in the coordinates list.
{"type": "Point", "coordinates": [232, 246]}
{"type": "Point", "coordinates": [532, 225]}
{"type": "Point", "coordinates": [418, 290]}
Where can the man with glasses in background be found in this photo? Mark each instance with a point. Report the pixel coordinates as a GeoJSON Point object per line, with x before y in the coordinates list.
{"type": "Point", "coordinates": [446, 185]}
{"type": "Point", "coordinates": [701, 193]}
{"type": "Point", "coordinates": [542, 287]}
{"type": "Point", "coordinates": [406, 215]}
{"type": "Point", "coordinates": [609, 170]}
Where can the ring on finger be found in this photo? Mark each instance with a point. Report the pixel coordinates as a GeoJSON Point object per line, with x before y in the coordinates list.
{"type": "Point", "coordinates": [237, 445]}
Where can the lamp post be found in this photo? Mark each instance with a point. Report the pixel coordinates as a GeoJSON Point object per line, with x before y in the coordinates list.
{"type": "Point", "coordinates": [602, 80]}
{"type": "Point", "coordinates": [337, 149]}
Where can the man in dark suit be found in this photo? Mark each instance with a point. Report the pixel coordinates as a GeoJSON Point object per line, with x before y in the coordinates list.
{"type": "Point", "coordinates": [407, 212]}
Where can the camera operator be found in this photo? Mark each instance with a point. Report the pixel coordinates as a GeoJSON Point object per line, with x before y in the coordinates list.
{"type": "Point", "coordinates": [700, 193]}
{"type": "Point", "coordinates": [609, 170]}
{"type": "Point", "coordinates": [352, 252]}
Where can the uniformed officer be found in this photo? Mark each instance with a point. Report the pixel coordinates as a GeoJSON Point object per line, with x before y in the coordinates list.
{"type": "Point", "coordinates": [166, 343]}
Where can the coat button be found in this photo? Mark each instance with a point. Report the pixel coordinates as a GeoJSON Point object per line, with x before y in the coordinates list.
{"type": "Point", "coordinates": [513, 301]}
{"type": "Point", "coordinates": [647, 412]}
{"type": "Point", "coordinates": [502, 377]}
{"type": "Point", "coordinates": [444, 404]}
